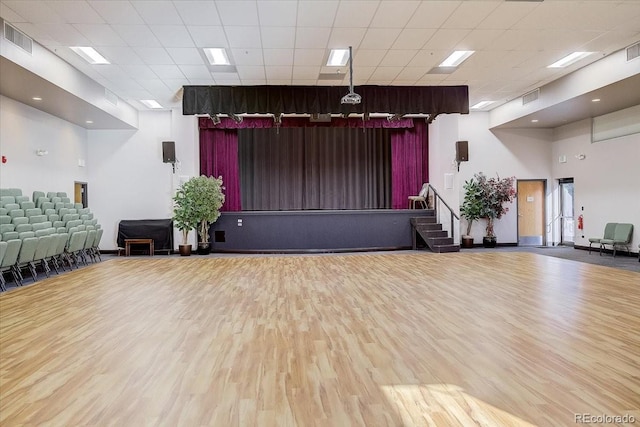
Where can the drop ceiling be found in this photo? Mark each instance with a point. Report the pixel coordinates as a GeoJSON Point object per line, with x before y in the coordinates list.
{"type": "Point", "coordinates": [155, 46]}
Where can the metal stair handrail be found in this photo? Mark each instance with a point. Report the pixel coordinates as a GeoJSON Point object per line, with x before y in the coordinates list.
{"type": "Point", "coordinates": [453, 215]}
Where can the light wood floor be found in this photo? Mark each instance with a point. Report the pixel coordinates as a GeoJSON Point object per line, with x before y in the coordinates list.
{"type": "Point", "coordinates": [413, 339]}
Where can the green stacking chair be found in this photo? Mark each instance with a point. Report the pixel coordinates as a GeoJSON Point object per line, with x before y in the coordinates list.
{"type": "Point", "coordinates": [5, 219]}
{"type": "Point", "coordinates": [36, 195]}
{"type": "Point", "coordinates": [76, 245]}
{"type": "Point", "coordinates": [52, 194]}
{"type": "Point", "coordinates": [32, 212]}
{"type": "Point", "coordinates": [25, 257]}
{"type": "Point", "coordinates": [37, 218]}
{"type": "Point", "coordinates": [42, 249]}
{"type": "Point", "coordinates": [61, 244]}
{"type": "Point", "coordinates": [88, 244]}
{"type": "Point", "coordinates": [9, 259]}
{"type": "Point", "coordinates": [47, 205]}
{"type": "Point", "coordinates": [96, 244]}
{"type": "Point", "coordinates": [3, 250]}
{"type": "Point", "coordinates": [61, 194]}
{"type": "Point", "coordinates": [42, 225]}
{"type": "Point", "coordinates": [19, 220]}
{"type": "Point", "coordinates": [41, 200]}
{"type": "Point", "coordinates": [10, 235]}
{"type": "Point", "coordinates": [4, 212]}
{"type": "Point", "coordinates": [622, 236]}
{"type": "Point", "coordinates": [27, 205]}
{"type": "Point", "coordinates": [7, 227]}
{"type": "Point", "coordinates": [7, 200]}
{"type": "Point", "coordinates": [15, 213]}
{"type": "Point", "coordinates": [20, 199]}
{"type": "Point", "coordinates": [50, 257]}
{"type": "Point", "coordinates": [24, 227]}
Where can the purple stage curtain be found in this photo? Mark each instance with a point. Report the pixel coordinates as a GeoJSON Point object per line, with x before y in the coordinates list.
{"type": "Point", "coordinates": [409, 162]}
{"type": "Point", "coordinates": [219, 157]}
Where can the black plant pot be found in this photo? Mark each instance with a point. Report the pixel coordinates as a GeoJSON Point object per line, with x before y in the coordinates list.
{"type": "Point", "coordinates": [204, 248]}
{"type": "Point", "coordinates": [489, 241]}
{"type": "Point", "coordinates": [184, 250]}
{"type": "Point", "coordinates": [466, 242]}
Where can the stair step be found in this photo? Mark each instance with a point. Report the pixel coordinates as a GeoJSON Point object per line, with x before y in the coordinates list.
{"type": "Point", "coordinates": [433, 233]}
{"type": "Point", "coordinates": [423, 220]}
{"type": "Point", "coordinates": [445, 248]}
{"type": "Point", "coordinates": [428, 227]}
{"type": "Point", "coordinates": [439, 241]}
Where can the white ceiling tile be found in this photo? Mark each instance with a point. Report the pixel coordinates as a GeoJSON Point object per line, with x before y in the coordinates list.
{"type": "Point", "coordinates": [338, 71]}
{"type": "Point", "coordinates": [317, 13]}
{"type": "Point", "coordinates": [225, 76]}
{"type": "Point", "coordinates": [304, 82]}
{"type": "Point", "coordinates": [432, 14]}
{"type": "Point", "coordinates": [100, 34]}
{"type": "Point", "coordinates": [121, 55]}
{"type": "Point", "coordinates": [117, 12]}
{"type": "Point", "coordinates": [312, 38]}
{"type": "Point", "coordinates": [398, 58]}
{"type": "Point", "coordinates": [65, 34]}
{"type": "Point", "coordinates": [279, 82]}
{"type": "Point", "coordinates": [155, 12]}
{"type": "Point", "coordinates": [227, 82]}
{"type": "Point", "coordinates": [176, 84]}
{"type": "Point", "coordinates": [411, 73]}
{"type": "Point", "coordinates": [75, 11]}
{"type": "Point", "coordinates": [245, 37]}
{"type": "Point", "coordinates": [278, 72]}
{"type": "Point", "coordinates": [254, 82]}
{"type": "Point", "coordinates": [368, 57]}
{"type": "Point", "coordinates": [507, 15]}
{"type": "Point", "coordinates": [137, 35]}
{"type": "Point", "coordinates": [205, 81]}
{"type": "Point", "coordinates": [198, 12]}
{"type": "Point", "coordinates": [153, 55]}
{"type": "Point", "coordinates": [195, 71]}
{"type": "Point", "coordinates": [355, 14]}
{"type": "Point", "coordinates": [205, 36]}
{"type": "Point", "coordinates": [309, 57]}
{"type": "Point", "coordinates": [238, 12]}
{"type": "Point", "coordinates": [379, 38]}
{"type": "Point", "coordinates": [278, 56]}
{"type": "Point", "coordinates": [278, 37]}
{"type": "Point", "coordinates": [610, 41]}
{"type": "Point", "coordinates": [35, 11]}
{"type": "Point", "coordinates": [428, 58]}
{"type": "Point", "coordinates": [306, 72]}
{"type": "Point", "coordinates": [385, 73]}
{"type": "Point", "coordinates": [112, 72]}
{"type": "Point", "coordinates": [278, 13]}
{"type": "Point", "coordinates": [361, 74]}
{"type": "Point", "coordinates": [172, 35]}
{"type": "Point", "coordinates": [139, 72]}
{"type": "Point", "coordinates": [247, 56]}
{"type": "Point", "coordinates": [413, 38]}
{"type": "Point", "coordinates": [167, 71]}
{"type": "Point", "coordinates": [344, 37]}
{"type": "Point", "coordinates": [480, 39]}
{"type": "Point", "coordinates": [185, 55]}
{"type": "Point", "coordinates": [446, 39]}
{"type": "Point", "coordinates": [10, 15]}
{"type": "Point", "coordinates": [470, 13]}
{"type": "Point", "coordinates": [394, 14]}
{"type": "Point", "coordinates": [251, 72]}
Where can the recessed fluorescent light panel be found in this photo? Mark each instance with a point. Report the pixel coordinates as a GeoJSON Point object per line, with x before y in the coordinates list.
{"type": "Point", "coordinates": [90, 55]}
{"type": "Point", "coordinates": [457, 58]}
{"type": "Point", "coordinates": [482, 104]}
{"type": "Point", "coordinates": [338, 58]}
{"type": "Point", "coordinates": [151, 103]}
{"type": "Point", "coordinates": [569, 59]}
{"type": "Point", "coordinates": [217, 56]}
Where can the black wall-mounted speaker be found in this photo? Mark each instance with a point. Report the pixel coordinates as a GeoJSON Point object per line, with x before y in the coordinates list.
{"type": "Point", "coordinates": [462, 151]}
{"type": "Point", "coordinates": [168, 151]}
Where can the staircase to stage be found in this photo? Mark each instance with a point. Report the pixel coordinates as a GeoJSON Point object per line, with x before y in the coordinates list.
{"type": "Point", "coordinates": [432, 234]}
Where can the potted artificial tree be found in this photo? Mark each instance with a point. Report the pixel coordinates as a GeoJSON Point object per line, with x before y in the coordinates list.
{"type": "Point", "coordinates": [184, 214]}
{"type": "Point", "coordinates": [495, 193]}
{"type": "Point", "coordinates": [471, 209]}
{"type": "Point", "coordinates": [209, 198]}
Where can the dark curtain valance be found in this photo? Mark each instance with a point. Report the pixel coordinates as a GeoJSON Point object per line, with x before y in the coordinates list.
{"type": "Point", "coordinates": [432, 100]}
{"type": "Point", "coordinates": [303, 122]}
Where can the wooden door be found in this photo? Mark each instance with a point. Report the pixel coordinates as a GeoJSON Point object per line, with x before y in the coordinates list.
{"type": "Point", "coordinates": [531, 212]}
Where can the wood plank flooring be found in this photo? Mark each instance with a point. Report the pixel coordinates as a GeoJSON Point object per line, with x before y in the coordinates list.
{"type": "Point", "coordinates": [392, 339]}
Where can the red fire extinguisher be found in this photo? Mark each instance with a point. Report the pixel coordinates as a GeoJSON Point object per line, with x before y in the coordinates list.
{"type": "Point", "coordinates": [580, 222]}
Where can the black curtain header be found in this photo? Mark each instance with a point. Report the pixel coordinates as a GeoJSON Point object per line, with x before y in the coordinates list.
{"type": "Point", "coordinates": [431, 100]}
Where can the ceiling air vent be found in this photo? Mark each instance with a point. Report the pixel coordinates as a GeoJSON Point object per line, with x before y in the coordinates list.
{"type": "Point", "coordinates": [633, 51]}
{"type": "Point", "coordinates": [18, 38]}
{"type": "Point", "coordinates": [530, 97]}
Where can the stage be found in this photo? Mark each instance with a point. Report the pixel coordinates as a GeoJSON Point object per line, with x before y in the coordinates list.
{"type": "Point", "coordinates": [313, 230]}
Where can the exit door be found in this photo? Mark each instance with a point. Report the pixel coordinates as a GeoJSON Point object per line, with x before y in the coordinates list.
{"type": "Point", "coordinates": [531, 212]}
{"type": "Point", "coordinates": [80, 194]}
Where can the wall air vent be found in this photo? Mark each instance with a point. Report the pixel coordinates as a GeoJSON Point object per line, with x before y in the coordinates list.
{"type": "Point", "coordinates": [18, 38]}
{"type": "Point", "coordinates": [530, 97]}
{"type": "Point", "coordinates": [633, 51]}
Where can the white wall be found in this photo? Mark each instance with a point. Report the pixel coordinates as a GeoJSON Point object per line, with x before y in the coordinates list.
{"type": "Point", "coordinates": [128, 179]}
{"type": "Point", "coordinates": [606, 182]}
{"type": "Point", "coordinates": [23, 130]}
{"type": "Point", "coordinates": [523, 153]}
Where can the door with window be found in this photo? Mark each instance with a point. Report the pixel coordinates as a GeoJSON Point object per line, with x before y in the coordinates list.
{"type": "Point", "coordinates": [567, 219]}
{"type": "Point", "coordinates": [531, 212]}
{"type": "Point", "coordinates": [80, 194]}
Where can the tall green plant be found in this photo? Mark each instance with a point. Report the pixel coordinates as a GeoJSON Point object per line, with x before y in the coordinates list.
{"type": "Point", "coordinates": [185, 217]}
{"type": "Point", "coordinates": [209, 198]}
{"type": "Point", "coordinates": [496, 193]}
{"type": "Point", "coordinates": [471, 208]}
